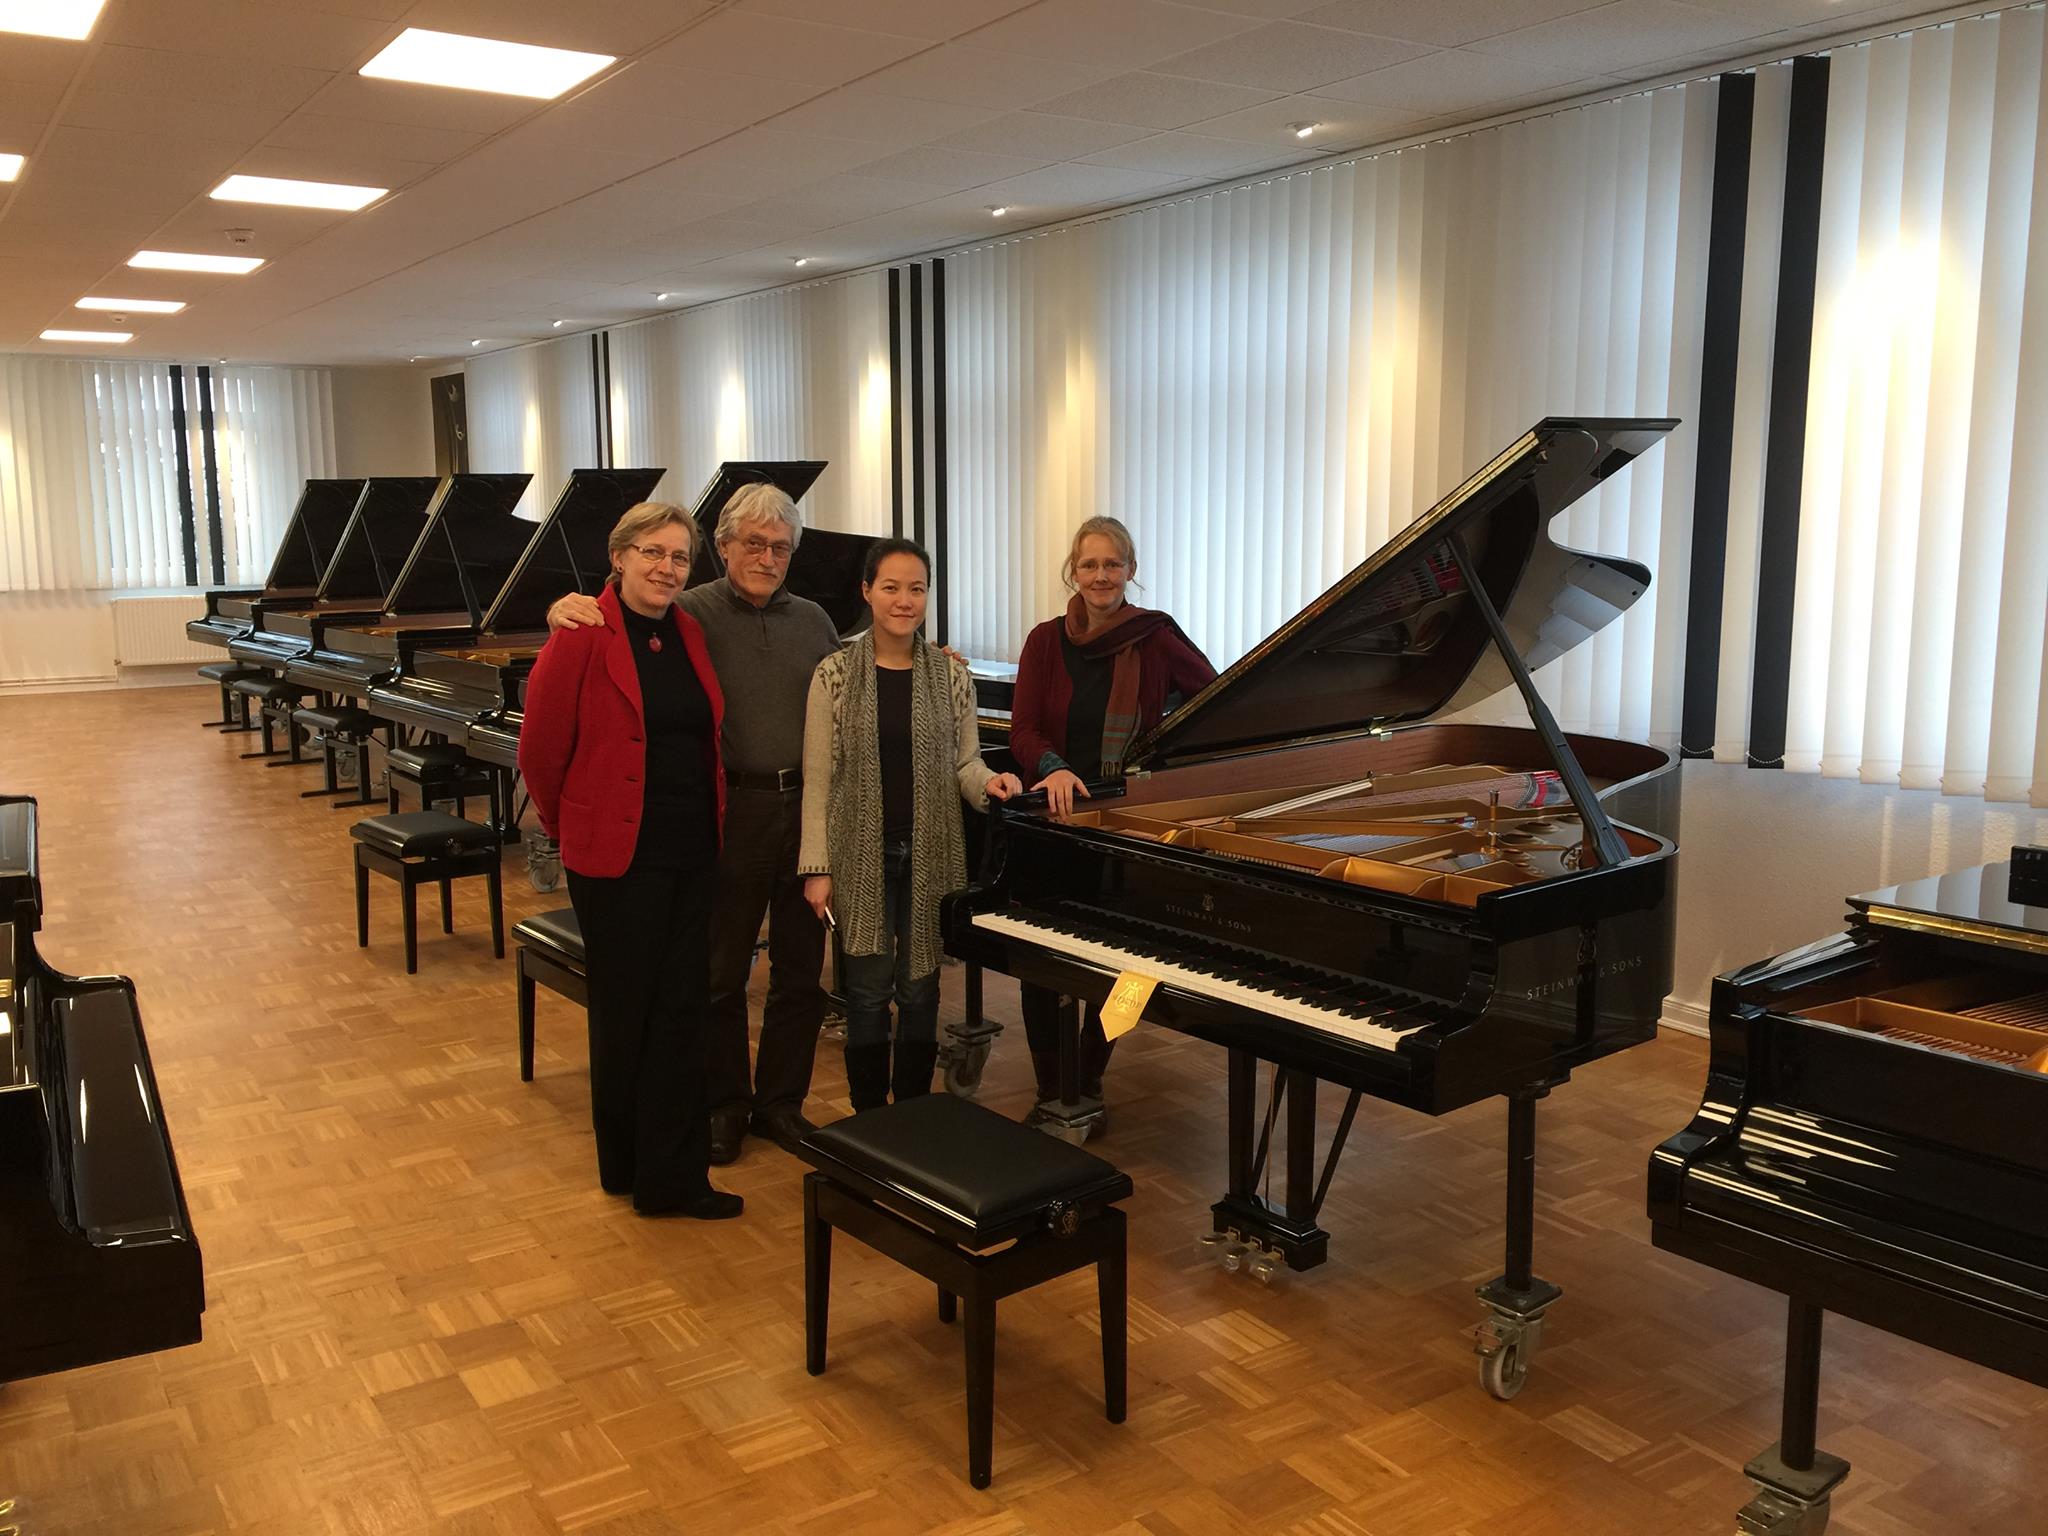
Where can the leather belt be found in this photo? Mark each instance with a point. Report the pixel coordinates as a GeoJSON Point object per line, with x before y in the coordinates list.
{"type": "Point", "coordinates": [781, 781]}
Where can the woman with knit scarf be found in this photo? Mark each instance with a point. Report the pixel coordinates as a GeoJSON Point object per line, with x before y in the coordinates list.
{"type": "Point", "coordinates": [890, 747]}
{"type": "Point", "coordinates": [1089, 683]}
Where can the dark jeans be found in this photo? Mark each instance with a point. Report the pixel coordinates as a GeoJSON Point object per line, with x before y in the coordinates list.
{"type": "Point", "coordinates": [1041, 1009]}
{"type": "Point", "coordinates": [646, 945]}
{"type": "Point", "coordinates": [871, 981]}
{"type": "Point", "coordinates": [757, 877]}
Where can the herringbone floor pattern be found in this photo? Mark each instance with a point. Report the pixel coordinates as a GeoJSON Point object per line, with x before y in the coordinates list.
{"type": "Point", "coordinates": [425, 1317]}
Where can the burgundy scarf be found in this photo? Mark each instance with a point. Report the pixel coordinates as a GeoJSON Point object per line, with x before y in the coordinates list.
{"type": "Point", "coordinates": [1121, 638]}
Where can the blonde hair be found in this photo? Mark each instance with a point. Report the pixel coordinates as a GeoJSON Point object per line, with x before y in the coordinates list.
{"type": "Point", "coordinates": [1100, 527]}
{"type": "Point", "coordinates": [759, 503]}
{"type": "Point", "coordinates": [643, 518]}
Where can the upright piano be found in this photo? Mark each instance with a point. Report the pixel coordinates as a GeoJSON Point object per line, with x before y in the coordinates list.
{"type": "Point", "coordinates": [387, 521]}
{"type": "Point", "coordinates": [102, 1262]}
{"type": "Point", "coordinates": [472, 540]}
{"type": "Point", "coordinates": [1317, 875]}
{"type": "Point", "coordinates": [309, 542]}
{"type": "Point", "coordinates": [466, 693]}
{"type": "Point", "coordinates": [1873, 1141]}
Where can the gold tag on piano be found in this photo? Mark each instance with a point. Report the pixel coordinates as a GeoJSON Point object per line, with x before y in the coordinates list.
{"type": "Point", "coordinates": [1125, 1004]}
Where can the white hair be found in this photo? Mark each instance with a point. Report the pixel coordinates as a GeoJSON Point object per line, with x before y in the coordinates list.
{"type": "Point", "coordinates": [759, 503]}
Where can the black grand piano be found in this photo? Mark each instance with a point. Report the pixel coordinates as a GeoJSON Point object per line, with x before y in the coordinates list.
{"type": "Point", "coordinates": [826, 567]}
{"type": "Point", "coordinates": [102, 1262]}
{"type": "Point", "coordinates": [466, 692]}
{"type": "Point", "coordinates": [309, 542]}
{"type": "Point", "coordinates": [1873, 1141]}
{"type": "Point", "coordinates": [472, 540]}
{"type": "Point", "coordinates": [1319, 877]}
{"type": "Point", "coordinates": [388, 519]}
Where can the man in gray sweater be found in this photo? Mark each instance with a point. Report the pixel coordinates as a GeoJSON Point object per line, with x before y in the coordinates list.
{"type": "Point", "coordinates": [764, 644]}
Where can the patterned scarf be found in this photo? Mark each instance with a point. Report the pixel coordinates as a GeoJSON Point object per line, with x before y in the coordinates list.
{"type": "Point", "coordinates": [938, 851]}
{"type": "Point", "coordinates": [1121, 638]}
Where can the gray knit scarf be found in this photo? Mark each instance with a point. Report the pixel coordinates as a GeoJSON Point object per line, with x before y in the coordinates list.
{"type": "Point", "coordinates": [938, 853]}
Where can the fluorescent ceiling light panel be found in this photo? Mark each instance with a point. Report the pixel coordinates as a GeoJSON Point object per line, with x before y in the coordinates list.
{"type": "Point", "coordinates": [50, 18]}
{"type": "Point", "coordinates": [110, 336]}
{"type": "Point", "coordinates": [286, 193]}
{"type": "Point", "coordinates": [191, 261]}
{"type": "Point", "coordinates": [133, 306]}
{"type": "Point", "coordinates": [10, 166]}
{"type": "Point", "coordinates": [482, 64]}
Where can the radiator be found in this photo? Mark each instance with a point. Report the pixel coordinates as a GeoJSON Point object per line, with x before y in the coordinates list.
{"type": "Point", "coordinates": [150, 631]}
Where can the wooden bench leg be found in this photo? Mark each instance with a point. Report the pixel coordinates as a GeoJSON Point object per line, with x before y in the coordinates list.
{"type": "Point", "coordinates": [1111, 1290]}
{"type": "Point", "coordinates": [362, 900]}
{"type": "Point", "coordinates": [410, 898]}
{"type": "Point", "coordinates": [817, 1278]}
{"type": "Point", "coordinates": [526, 1001]}
{"type": "Point", "coordinates": [447, 905]}
{"type": "Point", "coordinates": [948, 1305]}
{"type": "Point", "coordinates": [981, 1388]}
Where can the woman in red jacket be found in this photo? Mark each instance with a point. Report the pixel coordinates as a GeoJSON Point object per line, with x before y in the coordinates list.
{"type": "Point", "coordinates": [1089, 683]}
{"type": "Point", "coordinates": [620, 752]}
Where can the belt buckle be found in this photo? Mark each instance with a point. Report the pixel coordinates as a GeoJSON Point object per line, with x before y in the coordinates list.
{"type": "Point", "coordinates": [787, 779]}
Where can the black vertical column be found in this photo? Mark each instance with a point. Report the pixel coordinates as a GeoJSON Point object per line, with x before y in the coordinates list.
{"type": "Point", "coordinates": [186, 522]}
{"type": "Point", "coordinates": [896, 401]}
{"type": "Point", "coordinates": [210, 462]}
{"type": "Point", "coordinates": [1785, 449]}
{"type": "Point", "coordinates": [939, 508]}
{"type": "Point", "coordinates": [1726, 239]}
{"type": "Point", "coordinates": [917, 467]}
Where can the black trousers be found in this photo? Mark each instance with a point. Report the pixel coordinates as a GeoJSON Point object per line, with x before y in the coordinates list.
{"type": "Point", "coordinates": [1041, 1009]}
{"type": "Point", "coordinates": [646, 945]}
{"type": "Point", "coordinates": [757, 877]}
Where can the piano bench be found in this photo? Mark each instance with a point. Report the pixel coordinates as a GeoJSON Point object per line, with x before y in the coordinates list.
{"type": "Point", "coordinates": [234, 707]}
{"type": "Point", "coordinates": [934, 1183]}
{"type": "Point", "coordinates": [437, 771]}
{"type": "Point", "coordinates": [336, 726]}
{"type": "Point", "coordinates": [422, 847]}
{"type": "Point", "coordinates": [276, 699]}
{"type": "Point", "coordinates": [550, 954]}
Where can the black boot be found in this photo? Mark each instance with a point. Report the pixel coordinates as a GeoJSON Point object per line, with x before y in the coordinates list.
{"type": "Point", "coordinates": [867, 1075]}
{"type": "Point", "coordinates": [914, 1062]}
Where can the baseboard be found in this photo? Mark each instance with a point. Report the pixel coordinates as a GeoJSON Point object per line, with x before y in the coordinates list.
{"type": "Point", "coordinates": [163, 674]}
{"type": "Point", "coordinates": [57, 684]}
{"type": "Point", "coordinates": [1686, 1018]}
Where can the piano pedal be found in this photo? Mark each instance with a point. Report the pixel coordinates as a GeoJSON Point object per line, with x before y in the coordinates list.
{"type": "Point", "coordinates": [1262, 1264]}
{"type": "Point", "coordinates": [1226, 1248]}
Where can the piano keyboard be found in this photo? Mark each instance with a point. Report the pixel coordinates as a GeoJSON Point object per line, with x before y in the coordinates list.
{"type": "Point", "coordinates": [1348, 1018]}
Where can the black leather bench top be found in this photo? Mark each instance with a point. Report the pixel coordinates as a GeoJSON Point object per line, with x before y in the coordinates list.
{"type": "Point", "coordinates": [272, 690]}
{"type": "Point", "coordinates": [336, 717]}
{"type": "Point", "coordinates": [431, 757]}
{"type": "Point", "coordinates": [228, 671]}
{"type": "Point", "coordinates": [556, 930]}
{"type": "Point", "coordinates": [970, 1164]}
{"type": "Point", "coordinates": [421, 834]}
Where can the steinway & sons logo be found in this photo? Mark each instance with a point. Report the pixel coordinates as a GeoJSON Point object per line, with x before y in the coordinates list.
{"type": "Point", "coordinates": [1564, 983]}
{"type": "Point", "coordinates": [1207, 917]}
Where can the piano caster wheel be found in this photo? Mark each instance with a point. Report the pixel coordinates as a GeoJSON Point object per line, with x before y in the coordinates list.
{"type": "Point", "coordinates": [1772, 1513]}
{"type": "Point", "coordinates": [543, 860]}
{"type": "Point", "coordinates": [964, 1066]}
{"type": "Point", "coordinates": [833, 1026]}
{"type": "Point", "coordinates": [1506, 1345]}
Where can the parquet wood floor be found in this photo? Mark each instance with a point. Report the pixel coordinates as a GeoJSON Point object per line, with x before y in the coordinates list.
{"type": "Point", "coordinates": [424, 1316]}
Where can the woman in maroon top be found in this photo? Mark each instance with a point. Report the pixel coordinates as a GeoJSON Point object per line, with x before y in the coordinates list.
{"type": "Point", "coordinates": [1089, 683]}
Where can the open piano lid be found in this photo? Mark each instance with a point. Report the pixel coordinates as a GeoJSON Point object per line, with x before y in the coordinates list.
{"type": "Point", "coordinates": [827, 564]}
{"type": "Point", "coordinates": [313, 535]}
{"type": "Point", "coordinates": [567, 552]}
{"type": "Point", "coordinates": [1400, 639]}
{"type": "Point", "coordinates": [472, 539]}
{"type": "Point", "coordinates": [382, 530]}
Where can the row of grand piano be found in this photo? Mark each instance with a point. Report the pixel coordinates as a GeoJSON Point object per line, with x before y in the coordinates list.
{"type": "Point", "coordinates": [1318, 866]}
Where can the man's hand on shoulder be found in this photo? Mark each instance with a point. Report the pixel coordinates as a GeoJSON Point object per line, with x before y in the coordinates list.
{"type": "Point", "coordinates": [575, 611]}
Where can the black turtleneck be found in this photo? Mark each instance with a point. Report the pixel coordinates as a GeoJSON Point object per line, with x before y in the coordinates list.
{"type": "Point", "coordinates": [676, 823]}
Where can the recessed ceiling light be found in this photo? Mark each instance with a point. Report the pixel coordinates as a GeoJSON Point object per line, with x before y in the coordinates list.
{"type": "Point", "coordinates": [554, 325]}
{"type": "Point", "coordinates": [662, 298]}
{"type": "Point", "coordinates": [476, 341]}
{"type": "Point", "coordinates": [1302, 130]}
{"type": "Point", "coordinates": [801, 261]}
{"type": "Point", "coordinates": [50, 18]}
{"type": "Point", "coordinates": [998, 209]}
{"type": "Point", "coordinates": [135, 306]}
{"type": "Point", "coordinates": [286, 193]}
{"type": "Point", "coordinates": [482, 64]}
{"type": "Point", "coordinates": [192, 261]}
{"type": "Point", "coordinates": [10, 166]}
{"type": "Point", "coordinates": [109, 336]}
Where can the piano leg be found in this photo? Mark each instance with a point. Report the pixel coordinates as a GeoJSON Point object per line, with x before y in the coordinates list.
{"type": "Point", "coordinates": [1516, 1300]}
{"type": "Point", "coordinates": [1069, 1117]}
{"type": "Point", "coordinates": [1794, 1481]}
{"type": "Point", "coordinates": [968, 1041]}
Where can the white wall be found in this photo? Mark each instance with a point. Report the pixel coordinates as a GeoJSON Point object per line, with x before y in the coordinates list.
{"type": "Point", "coordinates": [55, 639]}
{"type": "Point", "coordinates": [383, 422]}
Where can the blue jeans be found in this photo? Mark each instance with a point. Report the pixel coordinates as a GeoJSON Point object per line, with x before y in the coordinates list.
{"type": "Point", "coordinates": [873, 980]}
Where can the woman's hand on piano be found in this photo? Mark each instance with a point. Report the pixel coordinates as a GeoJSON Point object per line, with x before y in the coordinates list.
{"type": "Point", "coordinates": [818, 892]}
{"type": "Point", "coordinates": [575, 611]}
{"type": "Point", "coordinates": [1060, 786]}
{"type": "Point", "coordinates": [1004, 785]}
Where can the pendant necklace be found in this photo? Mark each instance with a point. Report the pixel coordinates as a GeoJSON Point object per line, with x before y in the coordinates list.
{"type": "Point", "coordinates": [654, 644]}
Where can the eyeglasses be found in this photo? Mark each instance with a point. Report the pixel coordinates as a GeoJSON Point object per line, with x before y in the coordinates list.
{"type": "Point", "coordinates": [757, 546]}
{"type": "Point", "coordinates": [654, 554]}
{"type": "Point", "coordinates": [1100, 567]}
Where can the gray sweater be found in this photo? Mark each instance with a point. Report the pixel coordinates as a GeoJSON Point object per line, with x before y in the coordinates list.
{"type": "Point", "coordinates": [764, 658]}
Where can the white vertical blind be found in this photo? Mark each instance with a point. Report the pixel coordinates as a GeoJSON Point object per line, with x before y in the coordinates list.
{"type": "Point", "coordinates": [273, 431]}
{"type": "Point", "coordinates": [534, 409]}
{"type": "Point", "coordinates": [1268, 382]}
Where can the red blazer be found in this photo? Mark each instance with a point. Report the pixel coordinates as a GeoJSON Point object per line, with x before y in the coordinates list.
{"type": "Point", "coordinates": [1168, 663]}
{"type": "Point", "coordinates": [582, 745]}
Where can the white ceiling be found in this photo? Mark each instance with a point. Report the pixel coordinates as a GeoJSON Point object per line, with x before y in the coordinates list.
{"type": "Point", "coordinates": [732, 137]}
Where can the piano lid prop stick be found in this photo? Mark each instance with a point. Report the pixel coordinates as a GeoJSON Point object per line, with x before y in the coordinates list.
{"type": "Point", "coordinates": [1126, 1003]}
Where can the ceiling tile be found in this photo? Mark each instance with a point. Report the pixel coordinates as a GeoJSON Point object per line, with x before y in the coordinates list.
{"type": "Point", "coordinates": [1455, 80]}
{"type": "Point", "coordinates": [183, 118]}
{"type": "Point", "coordinates": [643, 137]}
{"type": "Point", "coordinates": [840, 198]}
{"type": "Point", "coordinates": [249, 29]}
{"type": "Point", "coordinates": [1124, 34]}
{"type": "Point", "coordinates": [48, 61]}
{"type": "Point", "coordinates": [356, 169]}
{"type": "Point", "coordinates": [715, 96]}
{"type": "Point", "coordinates": [1611, 39]}
{"type": "Point", "coordinates": [1446, 23]}
{"type": "Point", "coordinates": [1147, 100]}
{"type": "Point", "coordinates": [422, 106]}
{"type": "Point", "coordinates": [857, 112]}
{"type": "Point", "coordinates": [1041, 136]}
{"type": "Point", "coordinates": [982, 77]}
{"type": "Point", "coordinates": [192, 76]}
{"type": "Point", "coordinates": [784, 49]}
{"type": "Point", "coordinates": [952, 170]}
{"type": "Point", "coordinates": [618, 27]}
{"type": "Point", "coordinates": [933, 19]}
{"type": "Point", "coordinates": [1341, 124]}
{"type": "Point", "coordinates": [812, 155]}
{"type": "Point", "coordinates": [1188, 154]}
{"type": "Point", "coordinates": [1287, 56]}
{"type": "Point", "coordinates": [1833, 16]}
{"type": "Point", "coordinates": [1077, 183]}
{"type": "Point", "coordinates": [398, 141]}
